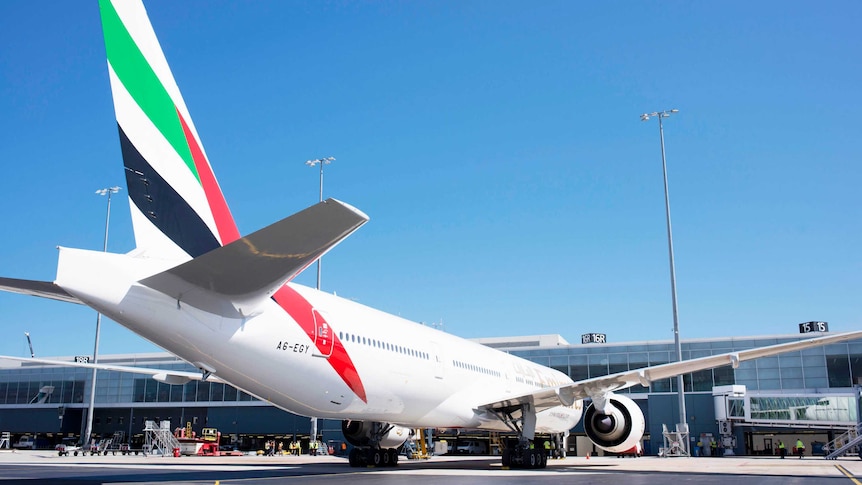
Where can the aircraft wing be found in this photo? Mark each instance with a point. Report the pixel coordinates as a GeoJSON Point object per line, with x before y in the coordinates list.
{"type": "Point", "coordinates": [44, 289]}
{"type": "Point", "coordinates": [598, 387]}
{"type": "Point", "coordinates": [233, 280]}
{"type": "Point", "coordinates": [162, 375]}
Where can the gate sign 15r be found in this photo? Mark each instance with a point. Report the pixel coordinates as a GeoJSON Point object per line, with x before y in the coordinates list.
{"type": "Point", "coordinates": [809, 327]}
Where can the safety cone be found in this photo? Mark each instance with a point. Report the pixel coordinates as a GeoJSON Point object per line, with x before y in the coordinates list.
{"type": "Point", "coordinates": [588, 456]}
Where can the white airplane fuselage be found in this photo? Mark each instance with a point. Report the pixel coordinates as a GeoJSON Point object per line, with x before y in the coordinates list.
{"type": "Point", "coordinates": [400, 372]}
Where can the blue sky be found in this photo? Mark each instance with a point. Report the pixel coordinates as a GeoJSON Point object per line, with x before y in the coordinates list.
{"type": "Point", "coordinates": [496, 146]}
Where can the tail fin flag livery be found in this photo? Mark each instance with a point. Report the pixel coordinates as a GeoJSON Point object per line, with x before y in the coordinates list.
{"type": "Point", "coordinates": [178, 209]}
{"type": "Point", "coordinates": [225, 302]}
{"type": "Point", "coordinates": [177, 201]}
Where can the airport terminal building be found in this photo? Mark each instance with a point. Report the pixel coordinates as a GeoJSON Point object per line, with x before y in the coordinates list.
{"type": "Point", "coordinates": [811, 395]}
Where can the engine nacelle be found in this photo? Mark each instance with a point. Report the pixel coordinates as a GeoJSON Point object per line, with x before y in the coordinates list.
{"type": "Point", "coordinates": [374, 434]}
{"type": "Point", "coordinates": [618, 431]}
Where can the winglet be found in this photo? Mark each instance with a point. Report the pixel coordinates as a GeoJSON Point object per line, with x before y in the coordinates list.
{"type": "Point", "coordinates": [233, 280]}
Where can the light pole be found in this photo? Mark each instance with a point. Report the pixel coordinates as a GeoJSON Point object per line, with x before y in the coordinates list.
{"type": "Point", "coordinates": [679, 380]}
{"type": "Point", "coordinates": [312, 163]}
{"type": "Point", "coordinates": [89, 429]}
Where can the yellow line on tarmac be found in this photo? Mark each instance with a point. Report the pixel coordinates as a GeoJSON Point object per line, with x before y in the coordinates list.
{"type": "Point", "coordinates": [848, 474]}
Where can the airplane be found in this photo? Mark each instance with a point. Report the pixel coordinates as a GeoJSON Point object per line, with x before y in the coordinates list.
{"type": "Point", "coordinates": [226, 303]}
{"type": "Point", "coordinates": [828, 409]}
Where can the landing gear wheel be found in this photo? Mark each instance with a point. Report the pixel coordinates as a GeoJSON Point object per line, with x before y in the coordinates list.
{"type": "Point", "coordinates": [353, 458]}
{"type": "Point", "coordinates": [385, 456]}
{"type": "Point", "coordinates": [375, 456]}
{"type": "Point", "coordinates": [507, 457]}
{"type": "Point", "coordinates": [534, 458]}
{"type": "Point", "coordinates": [393, 458]}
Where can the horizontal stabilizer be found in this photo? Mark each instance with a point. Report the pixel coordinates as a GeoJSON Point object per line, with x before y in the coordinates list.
{"type": "Point", "coordinates": [161, 375]}
{"type": "Point", "coordinates": [233, 280]}
{"type": "Point", "coordinates": [42, 289]}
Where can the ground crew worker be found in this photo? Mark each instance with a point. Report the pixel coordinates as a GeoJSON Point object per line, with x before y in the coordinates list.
{"type": "Point", "coordinates": [800, 448]}
{"type": "Point", "coordinates": [698, 450]}
{"type": "Point", "coordinates": [781, 449]}
{"type": "Point", "coordinates": [547, 445]}
{"type": "Point", "coordinates": [713, 448]}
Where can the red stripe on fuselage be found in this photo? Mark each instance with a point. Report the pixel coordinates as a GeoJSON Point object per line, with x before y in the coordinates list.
{"type": "Point", "coordinates": [301, 311]}
{"type": "Point", "coordinates": [288, 299]}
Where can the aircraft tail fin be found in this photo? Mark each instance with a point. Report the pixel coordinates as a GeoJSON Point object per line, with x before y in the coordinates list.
{"type": "Point", "coordinates": [178, 209]}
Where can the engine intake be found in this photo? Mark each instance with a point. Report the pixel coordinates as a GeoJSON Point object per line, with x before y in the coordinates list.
{"type": "Point", "coordinates": [374, 434]}
{"type": "Point", "coordinates": [618, 431]}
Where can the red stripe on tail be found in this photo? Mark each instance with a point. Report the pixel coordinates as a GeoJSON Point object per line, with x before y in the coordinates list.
{"type": "Point", "coordinates": [225, 224]}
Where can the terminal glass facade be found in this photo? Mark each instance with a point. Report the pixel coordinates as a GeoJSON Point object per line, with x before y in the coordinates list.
{"type": "Point", "coordinates": [832, 366]}
{"type": "Point", "coordinates": [151, 391]}
{"type": "Point", "coordinates": [23, 392]}
{"type": "Point", "coordinates": [829, 367]}
{"type": "Point", "coordinates": [68, 385]}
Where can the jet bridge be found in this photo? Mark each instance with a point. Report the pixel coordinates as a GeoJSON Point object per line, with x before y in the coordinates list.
{"type": "Point", "coordinates": [826, 411]}
{"type": "Point", "coordinates": [735, 407]}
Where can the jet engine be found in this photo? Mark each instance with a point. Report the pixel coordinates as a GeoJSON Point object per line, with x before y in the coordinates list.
{"type": "Point", "coordinates": [618, 431]}
{"type": "Point", "coordinates": [374, 434]}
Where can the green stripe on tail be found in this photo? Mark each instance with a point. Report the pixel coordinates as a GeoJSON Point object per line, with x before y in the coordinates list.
{"type": "Point", "coordinates": [142, 83]}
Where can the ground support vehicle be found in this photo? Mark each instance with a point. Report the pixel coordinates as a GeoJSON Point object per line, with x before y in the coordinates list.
{"type": "Point", "coordinates": [66, 446]}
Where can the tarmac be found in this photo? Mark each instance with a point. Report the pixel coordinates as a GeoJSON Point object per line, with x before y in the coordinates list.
{"type": "Point", "coordinates": [36, 467]}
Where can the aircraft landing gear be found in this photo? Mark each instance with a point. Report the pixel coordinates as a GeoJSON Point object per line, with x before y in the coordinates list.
{"type": "Point", "coordinates": [522, 456]}
{"type": "Point", "coordinates": [521, 418]}
{"type": "Point", "coordinates": [375, 457]}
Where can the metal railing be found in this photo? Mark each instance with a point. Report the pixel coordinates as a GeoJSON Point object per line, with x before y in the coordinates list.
{"type": "Point", "coordinates": [844, 444]}
{"type": "Point", "coordinates": [159, 439]}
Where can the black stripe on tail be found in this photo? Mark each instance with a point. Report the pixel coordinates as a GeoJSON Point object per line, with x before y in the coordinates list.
{"type": "Point", "coordinates": [163, 205]}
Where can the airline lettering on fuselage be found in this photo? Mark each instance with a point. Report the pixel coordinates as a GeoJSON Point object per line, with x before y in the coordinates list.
{"type": "Point", "coordinates": [298, 348]}
{"type": "Point", "coordinates": [532, 376]}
